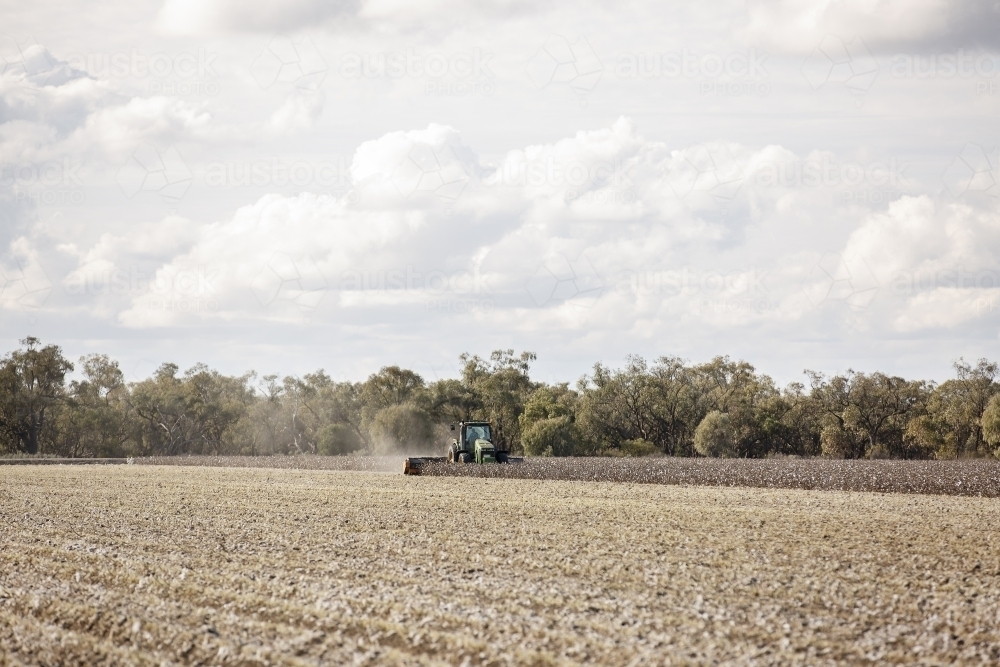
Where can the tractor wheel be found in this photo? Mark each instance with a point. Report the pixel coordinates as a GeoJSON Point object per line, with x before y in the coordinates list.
{"type": "Point", "coordinates": [502, 457]}
{"type": "Point", "coordinates": [466, 458]}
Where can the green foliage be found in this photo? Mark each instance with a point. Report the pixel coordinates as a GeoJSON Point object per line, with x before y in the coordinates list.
{"type": "Point", "coordinates": [193, 414]}
{"type": "Point", "coordinates": [337, 439]}
{"type": "Point", "coordinates": [499, 389]}
{"type": "Point", "coordinates": [392, 385]}
{"type": "Point", "coordinates": [837, 442]}
{"type": "Point", "coordinates": [715, 435]}
{"type": "Point", "coordinates": [32, 387]}
{"type": "Point", "coordinates": [867, 415]}
{"type": "Point", "coordinates": [548, 402]}
{"type": "Point", "coordinates": [557, 436]}
{"type": "Point", "coordinates": [718, 408]}
{"type": "Point", "coordinates": [402, 428]}
{"type": "Point", "coordinates": [925, 436]}
{"type": "Point", "coordinates": [96, 417]}
{"type": "Point", "coordinates": [953, 424]}
{"type": "Point", "coordinates": [638, 447]}
{"type": "Point", "coordinates": [548, 424]}
{"type": "Point", "coordinates": [991, 424]}
{"type": "Point", "coordinates": [660, 404]}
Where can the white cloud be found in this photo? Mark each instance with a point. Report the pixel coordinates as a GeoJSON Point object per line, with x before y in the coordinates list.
{"type": "Point", "coordinates": [198, 17]}
{"type": "Point", "coordinates": [24, 284]}
{"type": "Point", "coordinates": [764, 213]}
{"type": "Point", "coordinates": [223, 267]}
{"type": "Point", "coordinates": [917, 234]}
{"type": "Point", "coordinates": [947, 308]}
{"type": "Point", "coordinates": [563, 247]}
{"type": "Point", "coordinates": [118, 130]}
{"type": "Point", "coordinates": [937, 261]}
{"type": "Point", "coordinates": [798, 26]}
{"type": "Point", "coordinates": [73, 116]}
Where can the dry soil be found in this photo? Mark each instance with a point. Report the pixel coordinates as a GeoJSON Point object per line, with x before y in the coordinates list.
{"type": "Point", "coordinates": [170, 565]}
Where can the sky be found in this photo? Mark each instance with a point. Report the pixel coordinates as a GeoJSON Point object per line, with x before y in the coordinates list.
{"type": "Point", "coordinates": [804, 184]}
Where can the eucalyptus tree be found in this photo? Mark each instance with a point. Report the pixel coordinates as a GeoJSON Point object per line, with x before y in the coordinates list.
{"type": "Point", "coordinates": [32, 388]}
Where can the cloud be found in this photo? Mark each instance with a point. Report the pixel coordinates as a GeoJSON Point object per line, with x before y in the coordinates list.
{"type": "Point", "coordinates": [118, 130]}
{"type": "Point", "coordinates": [222, 270]}
{"type": "Point", "coordinates": [600, 236]}
{"type": "Point", "coordinates": [253, 181]}
{"type": "Point", "coordinates": [198, 17]}
{"type": "Point", "coordinates": [24, 283]}
{"type": "Point", "coordinates": [420, 165]}
{"type": "Point", "coordinates": [59, 128]}
{"type": "Point", "coordinates": [431, 221]}
{"type": "Point", "coordinates": [949, 309]}
{"type": "Point", "coordinates": [48, 110]}
{"type": "Point", "coordinates": [604, 224]}
{"type": "Point", "coordinates": [33, 63]}
{"type": "Point", "coordinates": [798, 26]}
{"type": "Point", "coordinates": [920, 234]}
{"type": "Point", "coordinates": [937, 261]}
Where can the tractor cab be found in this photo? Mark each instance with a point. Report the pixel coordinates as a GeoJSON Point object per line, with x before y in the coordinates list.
{"type": "Point", "coordinates": [474, 442]}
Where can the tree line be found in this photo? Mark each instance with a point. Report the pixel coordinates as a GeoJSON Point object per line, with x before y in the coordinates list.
{"type": "Point", "coordinates": [722, 408]}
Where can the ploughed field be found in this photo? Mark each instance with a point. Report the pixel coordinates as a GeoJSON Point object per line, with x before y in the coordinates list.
{"type": "Point", "coordinates": [212, 565]}
{"type": "Point", "coordinates": [969, 477]}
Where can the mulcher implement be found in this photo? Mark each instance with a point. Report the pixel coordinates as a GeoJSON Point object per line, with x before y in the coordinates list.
{"type": "Point", "coordinates": [474, 444]}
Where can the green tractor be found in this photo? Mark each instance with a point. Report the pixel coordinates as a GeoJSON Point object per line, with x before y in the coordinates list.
{"type": "Point", "coordinates": [475, 443]}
